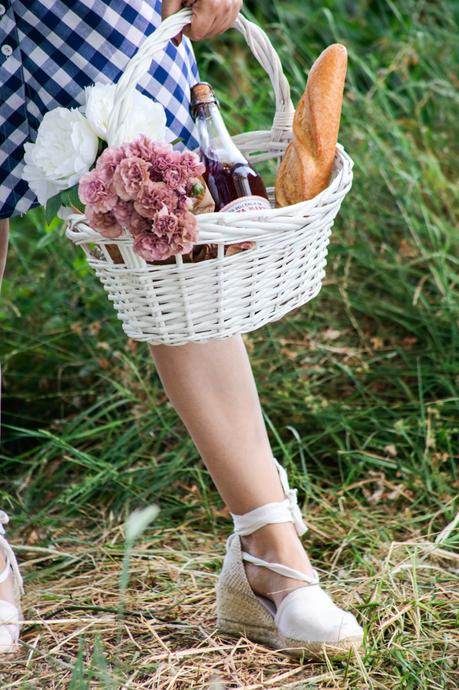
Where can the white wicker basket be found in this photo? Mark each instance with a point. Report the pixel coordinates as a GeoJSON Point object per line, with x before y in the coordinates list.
{"type": "Point", "coordinates": [195, 302]}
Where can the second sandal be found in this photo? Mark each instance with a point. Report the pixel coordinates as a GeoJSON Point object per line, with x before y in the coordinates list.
{"type": "Point", "coordinates": [10, 614]}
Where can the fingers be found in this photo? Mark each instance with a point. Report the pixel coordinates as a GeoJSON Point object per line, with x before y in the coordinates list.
{"type": "Point", "coordinates": [170, 7]}
{"type": "Point", "coordinates": [202, 19]}
{"type": "Point", "coordinates": [212, 17]}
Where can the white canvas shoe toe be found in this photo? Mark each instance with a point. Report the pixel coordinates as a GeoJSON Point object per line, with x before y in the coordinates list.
{"type": "Point", "coordinates": [309, 614]}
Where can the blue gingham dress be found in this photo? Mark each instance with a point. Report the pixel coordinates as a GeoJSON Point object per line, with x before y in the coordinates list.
{"type": "Point", "coordinates": [50, 50]}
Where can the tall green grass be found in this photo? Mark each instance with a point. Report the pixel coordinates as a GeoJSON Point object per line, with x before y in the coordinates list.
{"type": "Point", "coordinates": [362, 379]}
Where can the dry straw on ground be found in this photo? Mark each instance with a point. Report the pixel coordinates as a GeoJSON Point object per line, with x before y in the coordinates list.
{"type": "Point", "coordinates": [400, 584]}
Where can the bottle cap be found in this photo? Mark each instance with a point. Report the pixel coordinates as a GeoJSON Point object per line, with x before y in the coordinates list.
{"type": "Point", "coordinates": [202, 93]}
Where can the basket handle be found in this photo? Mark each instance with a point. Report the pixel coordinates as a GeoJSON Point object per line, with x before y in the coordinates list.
{"type": "Point", "coordinates": [139, 65]}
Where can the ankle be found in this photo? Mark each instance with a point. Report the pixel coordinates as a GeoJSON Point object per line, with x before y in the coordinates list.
{"type": "Point", "coordinates": [273, 540]}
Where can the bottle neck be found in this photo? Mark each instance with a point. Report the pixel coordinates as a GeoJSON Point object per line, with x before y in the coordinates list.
{"type": "Point", "coordinates": [214, 138]}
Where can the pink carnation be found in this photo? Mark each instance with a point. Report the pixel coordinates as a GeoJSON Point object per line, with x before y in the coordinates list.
{"type": "Point", "coordinates": [188, 229]}
{"type": "Point", "coordinates": [184, 203]}
{"type": "Point", "coordinates": [123, 211]}
{"type": "Point", "coordinates": [180, 246]}
{"type": "Point", "coordinates": [139, 224]}
{"type": "Point", "coordinates": [175, 174]}
{"type": "Point", "coordinates": [145, 148]}
{"type": "Point", "coordinates": [186, 233]}
{"type": "Point", "coordinates": [192, 164]}
{"type": "Point", "coordinates": [105, 223]}
{"type": "Point", "coordinates": [165, 224]}
{"type": "Point", "coordinates": [130, 176]}
{"type": "Point", "coordinates": [108, 160]}
{"type": "Point", "coordinates": [189, 224]}
{"type": "Point", "coordinates": [164, 158]}
{"type": "Point", "coordinates": [150, 248]}
{"type": "Point", "coordinates": [93, 190]}
{"type": "Point", "coordinates": [153, 197]}
{"type": "Point", "coordinates": [170, 236]}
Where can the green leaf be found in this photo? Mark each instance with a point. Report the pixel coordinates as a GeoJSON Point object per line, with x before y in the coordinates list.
{"type": "Point", "coordinates": [70, 197]}
{"type": "Point", "coordinates": [52, 207]}
{"type": "Point", "coordinates": [102, 145]}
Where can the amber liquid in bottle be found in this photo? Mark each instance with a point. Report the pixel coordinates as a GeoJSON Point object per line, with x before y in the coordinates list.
{"type": "Point", "coordinates": [232, 181]}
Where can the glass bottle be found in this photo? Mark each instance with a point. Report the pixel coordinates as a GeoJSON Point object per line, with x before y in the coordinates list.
{"type": "Point", "coordinates": [232, 181]}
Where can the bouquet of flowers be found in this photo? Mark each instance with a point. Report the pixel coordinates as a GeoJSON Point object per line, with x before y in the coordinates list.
{"type": "Point", "coordinates": [144, 186]}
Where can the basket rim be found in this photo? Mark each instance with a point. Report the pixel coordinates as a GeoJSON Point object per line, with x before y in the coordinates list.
{"type": "Point", "coordinates": [225, 218]}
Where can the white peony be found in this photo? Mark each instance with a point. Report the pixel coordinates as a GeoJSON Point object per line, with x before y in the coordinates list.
{"type": "Point", "coordinates": [34, 175]}
{"type": "Point", "coordinates": [145, 116]}
{"type": "Point", "coordinates": [65, 148]}
{"type": "Point", "coordinates": [99, 104]}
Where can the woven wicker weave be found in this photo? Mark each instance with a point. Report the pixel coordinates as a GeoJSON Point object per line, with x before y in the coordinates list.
{"type": "Point", "coordinates": [185, 302]}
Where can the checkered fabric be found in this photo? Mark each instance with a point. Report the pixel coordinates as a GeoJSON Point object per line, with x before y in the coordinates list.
{"type": "Point", "coordinates": [51, 49]}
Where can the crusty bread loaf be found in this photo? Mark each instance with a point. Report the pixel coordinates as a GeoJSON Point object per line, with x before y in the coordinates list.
{"type": "Point", "coordinates": [204, 203]}
{"type": "Point", "coordinates": [308, 160]}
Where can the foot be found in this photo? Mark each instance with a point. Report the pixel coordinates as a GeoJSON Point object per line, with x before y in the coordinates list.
{"type": "Point", "coordinates": [10, 591]}
{"type": "Point", "coordinates": [277, 543]}
{"type": "Point", "coordinates": [6, 587]}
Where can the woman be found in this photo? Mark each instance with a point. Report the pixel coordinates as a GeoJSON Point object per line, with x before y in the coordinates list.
{"type": "Point", "coordinates": [51, 50]}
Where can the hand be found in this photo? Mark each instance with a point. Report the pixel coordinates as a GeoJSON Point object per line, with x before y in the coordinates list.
{"type": "Point", "coordinates": [210, 17]}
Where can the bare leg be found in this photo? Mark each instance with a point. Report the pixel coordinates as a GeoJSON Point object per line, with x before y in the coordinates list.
{"type": "Point", "coordinates": [6, 588]}
{"type": "Point", "coordinates": [212, 388]}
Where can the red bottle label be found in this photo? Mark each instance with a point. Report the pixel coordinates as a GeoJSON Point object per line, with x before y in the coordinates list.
{"type": "Point", "coordinates": [247, 203]}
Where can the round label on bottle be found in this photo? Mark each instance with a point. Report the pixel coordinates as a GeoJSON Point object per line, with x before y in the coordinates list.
{"type": "Point", "coordinates": [247, 203]}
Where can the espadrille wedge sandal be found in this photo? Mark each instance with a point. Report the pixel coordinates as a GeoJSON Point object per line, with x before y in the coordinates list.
{"type": "Point", "coordinates": [307, 622]}
{"type": "Point", "coordinates": [10, 614]}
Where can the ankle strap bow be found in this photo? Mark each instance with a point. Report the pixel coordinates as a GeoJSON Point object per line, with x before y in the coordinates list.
{"type": "Point", "coordinates": [278, 511]}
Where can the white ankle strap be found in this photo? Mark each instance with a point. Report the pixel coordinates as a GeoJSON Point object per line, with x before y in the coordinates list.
{"type": "Point", "coordinates": [4, 575]}
{"type": "Point", "coordinates": [282, 569]}
{"type": "Point", "coordinates": [11, 562]}
{"type": "Point", "coordinates": [269, 513]}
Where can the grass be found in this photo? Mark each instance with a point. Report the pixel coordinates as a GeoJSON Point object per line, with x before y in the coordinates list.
{"type": "Point", "coordinates": [359, 390]}
{"type": "Point", "coordinates": [400, 581]}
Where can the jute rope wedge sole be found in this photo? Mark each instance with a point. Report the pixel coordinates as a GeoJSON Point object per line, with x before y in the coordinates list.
{"type": "Point", "coordinates": [10, 614]}
{"type": "Point", "coordinates": [307, 622]}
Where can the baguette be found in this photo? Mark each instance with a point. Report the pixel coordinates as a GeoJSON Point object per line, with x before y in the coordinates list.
{"type": "Point", "coordinates": [307, 164]}
{"type": "Point", "coordinates": [204, 203]}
